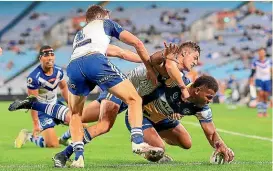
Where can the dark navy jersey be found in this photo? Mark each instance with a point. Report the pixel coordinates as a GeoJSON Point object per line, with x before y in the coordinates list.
{"type": "Point", "coordinates": [165, 101]}
{"type": "Point", "coordinates": [46, 85]}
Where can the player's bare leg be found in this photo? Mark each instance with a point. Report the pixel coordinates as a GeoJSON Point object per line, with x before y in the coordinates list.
{"type": "Point", "coordinates": [151, 137]}
{"type": "Point", "coordinates": [177, 136]}
{"type": "Point", "coordinates": [265, 100]}
{"type": "Point", "coordinates": [127, 93]}
{"type": "Point", "coordinates": [108, 115]}
{"type": "Point", "coordinates": [50, 138]}
{"type": "Point", "coordinates": [76, 104]}
{"type": "Point", "coordinates": [260, 99]}
{"type": "Point", "coordinates": [91, 112]}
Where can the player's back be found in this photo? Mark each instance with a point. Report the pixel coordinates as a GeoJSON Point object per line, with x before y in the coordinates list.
{"type": "Point", "coordinates": [46, 84]}
{"type": "Point", "coordinates": [95, 37]}
{"type": "Point", "coordinates": [263, 69]}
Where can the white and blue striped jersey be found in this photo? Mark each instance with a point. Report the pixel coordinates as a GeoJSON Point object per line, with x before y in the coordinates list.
{"type": "Point", "coordinates": [263, 69]}
{"type": "Point", "coordinates": [95, 37]}
{"type": "Point", "coordinates": [46, 85]}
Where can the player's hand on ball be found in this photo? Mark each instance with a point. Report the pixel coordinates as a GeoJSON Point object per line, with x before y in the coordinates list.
{"type": "Point", "coordinates": [231, 155]}
{"type": "Point", "coordinates": [227, 152]}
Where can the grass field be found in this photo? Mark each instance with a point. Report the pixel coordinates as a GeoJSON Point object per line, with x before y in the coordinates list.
{"type": "Point", "coordinates": [252, 147]}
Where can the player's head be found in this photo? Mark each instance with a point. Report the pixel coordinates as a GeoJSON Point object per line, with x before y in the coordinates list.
{"type": "Point", "coordinates": [47, 57]}
{"type": "Point", "coordinates": [261, 53]}
{"type": "Point", "coordinates": [189, 54]}
{"type": "Point", "coordinates": [203, 90]}
{"type": "Point", "coordinates": [96, 12]}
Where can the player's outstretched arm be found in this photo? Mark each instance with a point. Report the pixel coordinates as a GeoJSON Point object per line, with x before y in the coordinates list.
{"type": "Point", "coordinates": [130, 39]}
{"type": "Point", "coordinates": [172, 69]}
{"type": "Point", "coordinates": [115, 51]}
{"type": "Point", "coordinates": [216, 141]}
{"type": "Point", "coordinates": [34, 114]}
{"type": "Point", "coordinates": [1, 51]}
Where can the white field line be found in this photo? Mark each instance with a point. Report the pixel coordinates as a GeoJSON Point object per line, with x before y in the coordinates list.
{"type": "Point", "coordinates": [139, 164]}
{"type": "Point", "coordinates": [231, 132]}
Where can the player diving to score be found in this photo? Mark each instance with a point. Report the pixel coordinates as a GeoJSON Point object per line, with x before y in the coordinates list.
{"type": "Point", "coordinates": [158, 122]}
{"type": "Point", "coordinates": [188, 53]}
{"type": "Point", "coordinates": [89, 67]}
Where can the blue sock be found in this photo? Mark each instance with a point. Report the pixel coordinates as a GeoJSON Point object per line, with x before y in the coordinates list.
{"type": "Point", "coordinates": [137, 135]}
{"type": "Point", "coordinates": [264, 108]}
{"type": "Point", "coordinates": [78, 148]}
{"type": "Point", "coordinates": [54, 110]}
{"type": "Point", "coordinates": [39, 141]}
{"type": "Point", "coordinates": [260, 107]}
{"type": "Point", "coordinates": [66, 135]}
{"type": "Point", "coordinates": [68, 151]}
{"type": "Point", "coordinates": [86, 136]}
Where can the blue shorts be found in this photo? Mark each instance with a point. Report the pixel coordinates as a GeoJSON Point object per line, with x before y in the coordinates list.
{"type": "Point", "coordinates": [264, 85]}
{"type": "Point", "coordinates": [46, 121]}
{"type": "Point", "coordinates": [108, 96]}
{"type": "Point", "coordinates": [160, 126]}
{"type": "Point", "coordinates": [86, 72]}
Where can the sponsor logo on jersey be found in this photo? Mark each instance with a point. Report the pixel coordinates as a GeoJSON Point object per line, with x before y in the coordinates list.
{"type": "Point", "coordinates": [52, 80]}
{"type": "Point", "coordinates": [70, 85]}
{"type": "Point", "coordinates": [186, 111]}
{"type": "Point", "coordinates": [29, 80]}
{"type": "Point", "coordinates": [175, 95]}
{"type": "Point", "coordinates": [47, 121]}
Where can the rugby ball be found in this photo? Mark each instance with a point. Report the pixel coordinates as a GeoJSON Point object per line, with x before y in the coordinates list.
{"type": "Point", "coordinates": [217, 158]}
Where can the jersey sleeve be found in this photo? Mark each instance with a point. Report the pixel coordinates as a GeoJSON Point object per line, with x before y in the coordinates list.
{"type": "Point", "coordinates": [205, 115]}
{"type": "Point", "coordinates": [112, 28]}
{"type": "Point", "coordinates": [62, 75]}
{"type": "Point", "coordinates": [32, 83]}
{"type": "Point", "coordinates": [253, 64]}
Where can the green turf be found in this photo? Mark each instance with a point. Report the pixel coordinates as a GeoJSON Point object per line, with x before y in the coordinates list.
{"type": "Point", "coordinates": [113, 150]}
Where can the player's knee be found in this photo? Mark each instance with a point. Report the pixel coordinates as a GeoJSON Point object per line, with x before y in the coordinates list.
{"type": "Point", "coordinates": [105, 127]}
{"type": "Point", "coordinates": [161, 145]}
{"type": "Point", "coordinates": [134, 100]}
{"type": "Point", "coordinates": [111, 107]}
{"type": "Point", "coordinates": [186, 144]}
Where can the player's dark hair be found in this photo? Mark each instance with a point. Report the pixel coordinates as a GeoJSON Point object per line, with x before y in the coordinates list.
{"type": "Point", "coordinates": [207, 81]}
{"type": "Point", "coordinates": [192, 45]}
{"type": "Point", "coordinates": [43, 48]}
{"type": "Point", "coordinates": [94, 12]}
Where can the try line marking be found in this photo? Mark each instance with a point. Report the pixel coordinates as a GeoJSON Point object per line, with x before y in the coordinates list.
{"type": "Point", "coordinates": [138, 164]}
{"type": "Point", "coordinates": [231, 132]}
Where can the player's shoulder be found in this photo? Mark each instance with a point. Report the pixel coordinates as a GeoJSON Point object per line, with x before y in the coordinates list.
{"type": "Point", "coordinates": [269, 60]}
{"type": "Point", "coordinates": [204, 114]}
{"type": "Point", "coordinates": [255, 60]}
{"type": "Point", "coordinates": [58, 68]}
{"type": "Point", "coordinates": [34, 74]}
